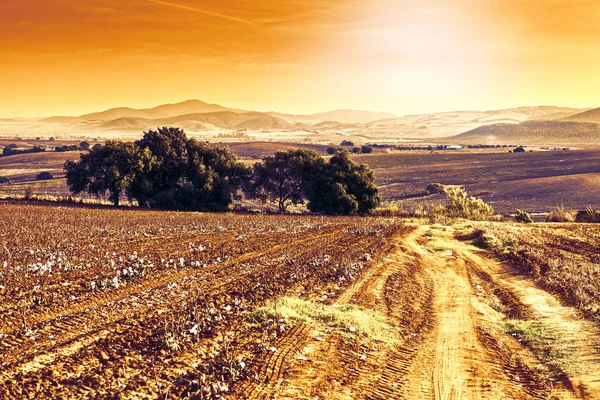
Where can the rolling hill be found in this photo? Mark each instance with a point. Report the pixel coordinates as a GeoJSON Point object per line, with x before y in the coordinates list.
{"type": "Point", "coordinates": [586, 116]}
{"type": "Point", "coordinates": [201, 121]}
{"type": "Point", "coordinates": [162, 111]}
{"type": "Point", "coordinates": [533, 132]}
{"type": "Point", "coordinates": [341, 116]}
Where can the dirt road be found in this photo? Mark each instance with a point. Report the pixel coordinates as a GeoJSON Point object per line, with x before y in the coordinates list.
{"type": "Point", "coordinates": [467, 327]}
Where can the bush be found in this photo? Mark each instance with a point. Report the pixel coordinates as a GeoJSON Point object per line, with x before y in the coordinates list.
{"type": "Point", "coordinates": [331, 150]}
{"type": "Point", "coordinates": [434, 188]}
{"type": "Point", "coordinates": [44, 176]}
{"type": "Point", "coordinates": [366, 149]}
{"type": "Point", "coordinates": [4, 179]}
{"type": "Point", "coordinates": [519, 149]}
{"type": "Point", "coordinates": [28, 193]}
{"type": "Point", "coordinates": [465, 206]}
{"type": "Point", "coordinates": [347, 143]}
{"type": "Point", "coordinates": [524, 217]}
{"type": "Point", "coordinates": [392, 209]}
{"type": "Point", "coordinates": [589, 215]}
{"type": "Point", "coordinates": [356, 150]}
{"type": "Point", "coordinates": [560, 214]}
{"type": "Point", "coordinates": [499, 242]}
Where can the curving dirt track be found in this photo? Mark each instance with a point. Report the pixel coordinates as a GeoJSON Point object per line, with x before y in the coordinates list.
{"type": "Point", "coordinates": [450, 303]}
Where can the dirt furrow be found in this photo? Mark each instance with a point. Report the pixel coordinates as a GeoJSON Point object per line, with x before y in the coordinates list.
{"type": "Point", "coordinates": [67, 328]}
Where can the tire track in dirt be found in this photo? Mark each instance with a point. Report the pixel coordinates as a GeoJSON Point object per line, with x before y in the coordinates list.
{"type": "Point", "coordinates": [269, 377]}
{"type": "Point", "coordinates": [453, 362]}
{"type": "Point", "coordinates": [344, 380]}
{"type": "Point", "coordinates": [442, 351]}
{"type": "Point", "coordinates": [576, 336]}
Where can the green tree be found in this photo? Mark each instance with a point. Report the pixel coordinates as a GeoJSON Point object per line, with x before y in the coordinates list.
{"type": "Point", "coordinates": [283, 178]}
{"type": "Point", "coordinates": [165, 168]}
{"type": "Point", "coordinates": [110, 168]}
{"type": "Point", "coordinates": [44, 176]}
{"type": "Point", "coordinates": [211, 179]}
{"type": "Point", "coordinates": [343, 187]}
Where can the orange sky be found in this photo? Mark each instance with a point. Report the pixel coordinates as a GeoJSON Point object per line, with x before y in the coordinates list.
{"type": "Point", "coordinates": [404, 56]}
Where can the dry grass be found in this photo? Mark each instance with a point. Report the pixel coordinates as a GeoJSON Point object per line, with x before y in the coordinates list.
{"type": "Point", "coordinates": [561, 258]}
{"type": "Point", "coordinates": [542, 341]}
{"type": "Point", "coordinates": [345, 319]}
{"type": "Point", "coordinates": [560, 214]}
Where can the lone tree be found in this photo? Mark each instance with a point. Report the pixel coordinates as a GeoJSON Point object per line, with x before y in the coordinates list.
{"type": "Point", "coordinates": [84, 145]}
{"type": "Point", "coordinates": [283, 178]}
{"type": "Point", "coordinates": [110, 168]}
{"type": "Point", "coordinates": [44, 176]}
{"type": "Point", "coordinates": [366, 149]}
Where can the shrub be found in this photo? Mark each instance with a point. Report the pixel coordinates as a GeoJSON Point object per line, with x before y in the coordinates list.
{"type": "Point", "coordinates": [347, 143]}
{"type": "Point", "coordinates": [4, 179]}
{"type": "Point", "coordinates": [524, 217]}
{"type": "Point", "coordinates": [560, 214]}
{"type": "Point", "coordinates": [356, 150]}
{"type": "Point", "coordinates": [499, 242]}
{"type": "Point", "coordinates": [589, 215]}
{"type": "Point", "coordinates": [435, 188]}
{"type": "Point", "coordinates": [465, 206]}
{"type": "Point", "coordinates": [44, 176]}
{"type": "Point", "coordinates": [392, 209]}
{"type": "Point", "coordinates": [28, 193]}
{"type": "Point", "coordinates": [519, 149]}
{"type": "Point", "coordinates": [331, 150]}
{"type": "Point", "coordinates": [366, 149]}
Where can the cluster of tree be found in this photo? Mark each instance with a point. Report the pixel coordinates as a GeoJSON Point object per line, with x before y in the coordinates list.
{"type": "Point", "coordinates": [364, 149]}
{"type": "Point", "coordinates": [13, 149]}
{"type": "Point", "coordinates": [73, 147]}
{"type": "Point", "coordinates": [166, 170]}
{"type": "Point", "coordinates": [440, 147]}
{"type": "Point", "coordinates": [336, 187]}
{"type": "Point", "coordinates": [520, 149]}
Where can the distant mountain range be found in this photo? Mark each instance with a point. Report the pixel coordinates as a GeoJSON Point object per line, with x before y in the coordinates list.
{"type": "Point", "coordinates": [522, 125]}
{"type": "Point", "coordinates": [199, 115]}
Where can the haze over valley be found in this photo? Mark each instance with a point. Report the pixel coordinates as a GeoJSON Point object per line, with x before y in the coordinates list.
{"type": "Point", "coordinates": [523, 125]}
